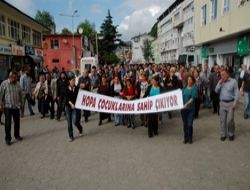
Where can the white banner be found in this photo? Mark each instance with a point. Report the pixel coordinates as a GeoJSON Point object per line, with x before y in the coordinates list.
{"type": "Point", "coordinates": [99, 103]}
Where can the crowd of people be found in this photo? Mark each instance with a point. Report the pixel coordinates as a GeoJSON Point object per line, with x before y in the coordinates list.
{"type": "Point", "coordinates": [215, 88]}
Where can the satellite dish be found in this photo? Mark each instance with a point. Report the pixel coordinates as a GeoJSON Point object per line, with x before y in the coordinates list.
{"type": "Point", "coordinates": [80, 30]}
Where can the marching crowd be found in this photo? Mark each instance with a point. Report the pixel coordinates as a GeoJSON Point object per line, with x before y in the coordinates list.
{"type": "Point", "coordinates": [217, 88]}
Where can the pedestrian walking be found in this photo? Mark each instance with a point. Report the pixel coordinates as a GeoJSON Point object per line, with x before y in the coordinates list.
{"type": "Point", "coordinates": [228, 91]}
{"type": "Point", "coordinates": [84, 83]}
{"type": "Point", "coordinates": [61, 86]}
{"type": "Point", "coordinates": [153, 90]}
{"type": "Point", "coordinates": [73, 114]}
{"type": "Point", "coordinates": [39, 94]}
{"type": "Point", "coordinates": [26, 86]}
{"type": "Point", "coordinates": [116, 89]}
{"type": "Point", "coordinates": [214, 79]}
{"type": "Point", "coordinates": [104, 89]}
{"type": "Point", "coordinates": [11, 102]}
{"type": "Point", "coordinates": [245, 91]}
{"type": "Point", "coordinates": [188, 111]}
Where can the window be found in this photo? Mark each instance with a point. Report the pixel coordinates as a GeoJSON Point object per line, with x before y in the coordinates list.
{"type": "Point", "coordinates": [2, 25]}
{"type": "Point", "coordinates": [37, 38]}
{"type": "Point", "coordinates": [13, 28]}
{"type": "Point", "coordinates": [226, 6]}
{"type": "Point", "coordinates": [214, 10]}
{"type": "Point", "coordinates": [26, 36]}
{"type": "Point", "coordinates": [55, 60]}
{"type": "Point", "coordinates": [54, 44]}
{"type": "Point", "coordinates": [204, 15]}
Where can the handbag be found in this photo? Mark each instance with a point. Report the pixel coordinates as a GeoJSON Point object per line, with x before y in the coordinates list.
{"type": "Point", "coordinates": [30, 100]}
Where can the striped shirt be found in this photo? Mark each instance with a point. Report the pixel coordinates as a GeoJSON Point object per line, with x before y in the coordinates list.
{"type": "Point", "coordinates": [10, 95]}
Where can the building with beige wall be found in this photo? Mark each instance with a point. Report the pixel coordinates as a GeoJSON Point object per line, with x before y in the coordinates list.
{"type": "Point", "coordinates": [20, 39]}
{"type": "Point", "coordinates": [222, 31]}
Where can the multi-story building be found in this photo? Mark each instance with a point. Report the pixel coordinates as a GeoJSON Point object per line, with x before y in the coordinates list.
{"type": "Point", "coordinates": [137, 44]}
{"type": "Point", "coordinates": [222, 31]}
{"type": "Point", "coordinates": [58, 51]}
{"type": "Point", "coordinates": [20, 40]}
{"type": "Point", "coordinates": [176, 31]}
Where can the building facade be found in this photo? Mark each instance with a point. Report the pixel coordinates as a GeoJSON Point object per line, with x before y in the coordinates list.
{"type": "Point", "coordinates": [20, 40]}
{"type": "Point", "coordinates": [222, 31]}
{"type": "Point", "coordinates": [137, 44]}
{"type": "Point", "coordinates": [176, 31]}
{"type": "Point", "coordinates": [58, 51]}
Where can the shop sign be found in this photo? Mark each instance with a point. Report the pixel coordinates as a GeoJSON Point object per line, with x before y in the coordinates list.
{"type": "Point", "coordinates": [29, 50]}
{"type": "Point", "coordinates": [38, 52]}
{"type": "Point", "coordinates": [5, 50]}
{"type": "Point", "coordinates": [242, 46]}
{"type": "Point", "coordinates": [17, 50]}
{"type": "Point", "coordinates": [204, 52]}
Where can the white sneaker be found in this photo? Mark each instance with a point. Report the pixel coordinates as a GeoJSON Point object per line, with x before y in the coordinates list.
{"type": "Point", "coordinates": [70, 139]}
{"type": "Point", "coordinates": [80, 135]}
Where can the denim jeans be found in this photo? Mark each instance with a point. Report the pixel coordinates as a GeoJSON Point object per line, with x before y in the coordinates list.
{"type": "Point", "coordinates": [9, 113]}
{"type": "Point", "coordinates": [73, 117]}
{"type": "Point", "coordinates": [188, 118]}
{"type": "Point", "coordinates": [118, 119]}
{"type": "Point", "coordinates": [246, 103]}
{"type": "Point", "coordinates": [29, 105]}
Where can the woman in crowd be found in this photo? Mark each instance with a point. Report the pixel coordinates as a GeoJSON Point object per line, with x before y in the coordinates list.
{"type": "Point", "coordinates": [171, 83]}
{"type": "Point", "coordinates": [187, 113]}
{"type": "Point", "coordinates": [200, 92]}
{"type": "Point", "coordinates": [129, 93]}
{"type": "Point", "coordinates": [39, 93]}
{"type": "Point", "coordinates": [153, 90]}
{"type": "Point", "coordinates": [116, 89]}
{"type": "Point", "coordinates": [142, 87]}
{"type": "Point", "coordinates": [73, 114]}
{"type": "Point", "coordinates": [104, 89]}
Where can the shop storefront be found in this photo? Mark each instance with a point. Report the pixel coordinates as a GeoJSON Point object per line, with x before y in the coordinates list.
{"type": "Point", "coordinates": [5, 53]}
{"type": "Point", "coordinates": [33, 58]}
{"type": "Point", "coordinates": [17, 58]}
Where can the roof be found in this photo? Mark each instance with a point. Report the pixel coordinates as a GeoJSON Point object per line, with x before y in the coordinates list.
{"type": "Point", "coordinates": [169, 9]}
{"type": "Point", "coordinates": [24, 14]}
{"type": "Point", "coordinates": [62, 35]}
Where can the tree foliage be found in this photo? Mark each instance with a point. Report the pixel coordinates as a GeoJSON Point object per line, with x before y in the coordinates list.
{"type": "Point", "coordinates": [154, 31]}
{"type": "Point", "coordinates": [66, 31]}
{"type": "Point", "coordinates": [45, 18]}
{"type": "Point", "coordinates": [110, 40]}
{"type": "Point", "coordinates": [147, 50]}
{"type": "Point", "coordinates": [88, 30]}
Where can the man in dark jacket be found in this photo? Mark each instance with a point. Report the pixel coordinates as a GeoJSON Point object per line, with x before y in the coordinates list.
{"type": "Point", "coordinates": [84, 83]}
{"type": "Point", "coordinates": [62, 84]}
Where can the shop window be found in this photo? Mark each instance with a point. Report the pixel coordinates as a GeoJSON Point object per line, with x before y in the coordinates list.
{"type": "Point", "coordinates": [55, 60]}
{"type": "Point", "coordinates": [2, 25]}
{"type": "Point", "coordinates": [13, 28]}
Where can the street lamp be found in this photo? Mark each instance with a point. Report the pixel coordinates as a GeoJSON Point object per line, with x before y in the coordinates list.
{"type": "Point", "coordinates": [97, 46]}
{"type": "Point", "coordinates": [74, 14]}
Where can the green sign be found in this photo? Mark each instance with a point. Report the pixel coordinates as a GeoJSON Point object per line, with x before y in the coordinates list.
{"type": "Point", "coordinates": [204, 52]}
{"type": "Point", "coordinates": [242, 46]}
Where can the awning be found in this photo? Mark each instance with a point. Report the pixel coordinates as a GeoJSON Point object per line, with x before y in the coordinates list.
{"type": "Point", "coordinates": [36, 59]}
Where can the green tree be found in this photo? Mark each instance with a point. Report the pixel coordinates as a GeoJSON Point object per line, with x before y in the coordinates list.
{"type": "Point", "coordinates": [45, 18]}
{"type": "Point", "coordinates": [66, 31]}
{"type": "Point", "coordinates": [88, 30]}
{"type": "Point", "coordinates": [147, 50]}
{"type": "Point", "coordinates": [109, 40]}
{"type": "Point", "coordinates": [154, 31]}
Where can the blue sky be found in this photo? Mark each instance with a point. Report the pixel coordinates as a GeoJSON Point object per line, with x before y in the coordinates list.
{"type": "Point", "coordinates": [132, 16]}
